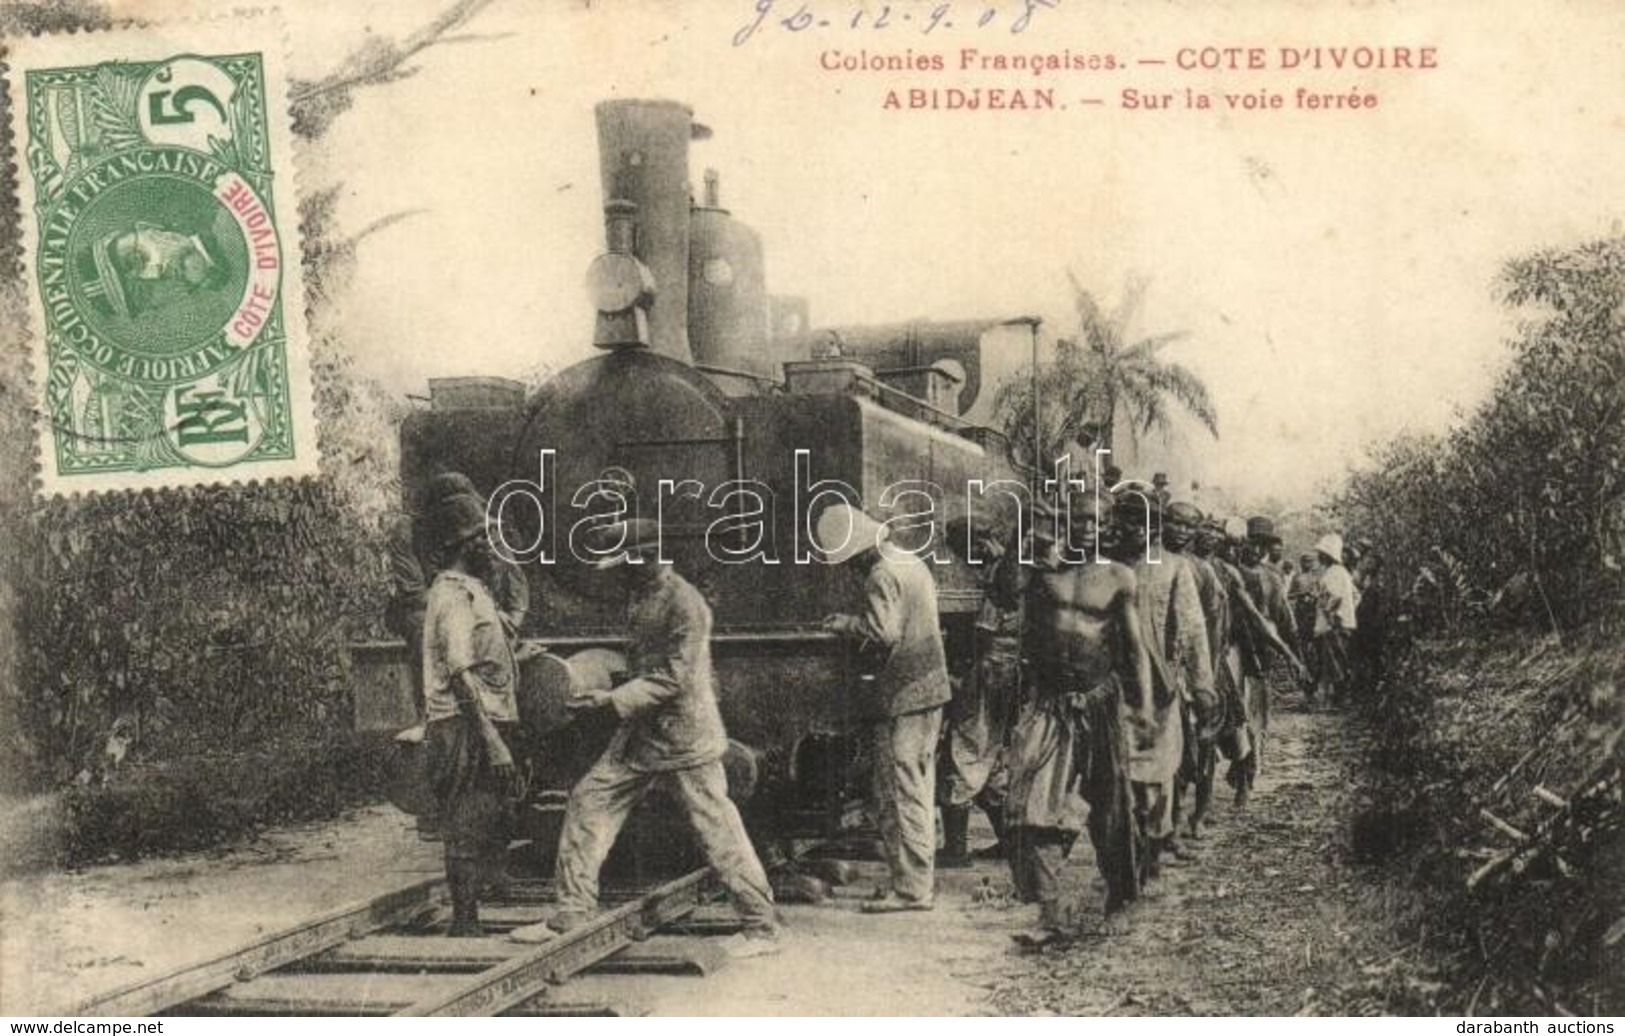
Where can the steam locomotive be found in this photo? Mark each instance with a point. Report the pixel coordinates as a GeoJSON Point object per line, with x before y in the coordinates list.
{"type": "Point", "coordinates": [705, 380]}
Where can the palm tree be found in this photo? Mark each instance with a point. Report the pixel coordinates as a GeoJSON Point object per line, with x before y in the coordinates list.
{"type": "Point", "coordinates": [1128, 377]}
{"type": "Point", "coordinates": [1095, 378]}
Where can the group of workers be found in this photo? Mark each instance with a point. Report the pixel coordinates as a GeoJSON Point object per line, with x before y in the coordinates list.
{"type": "Point", "coordinates": [1121, 651]}
{"type": "Point", "coordinates": [463, 624]}
{"type": "Point", "coordinates": [1118, 655]}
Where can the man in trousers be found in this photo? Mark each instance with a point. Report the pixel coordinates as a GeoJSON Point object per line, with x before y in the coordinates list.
{"type": "Point", "coordinates": [899, 643]}
{"type": "Point", "coordinates": [671, 735]}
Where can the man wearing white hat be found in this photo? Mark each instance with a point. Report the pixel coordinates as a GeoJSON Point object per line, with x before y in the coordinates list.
{"type": "Point", "coordinates": [1334, 617]}
{"type": "Point", "coordinates": [671, 735]}
{"type": "Point", "coordinates": [900, 642]}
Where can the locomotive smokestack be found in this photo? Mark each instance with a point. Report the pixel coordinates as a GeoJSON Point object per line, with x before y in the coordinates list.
{"type": "Point", "coordinates": [643, 157]}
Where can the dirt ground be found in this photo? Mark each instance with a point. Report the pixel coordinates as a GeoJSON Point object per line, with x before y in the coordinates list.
{"type": "Point", "coordinates": [66, 937]}
{"type": "Point", "coordinates": [1270, 921]}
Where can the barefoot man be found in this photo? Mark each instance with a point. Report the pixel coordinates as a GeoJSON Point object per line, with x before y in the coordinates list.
{"type": "Point", "coordinates": [1086, 662]}
{"type": "Point", "coordinates": [1170, 607]}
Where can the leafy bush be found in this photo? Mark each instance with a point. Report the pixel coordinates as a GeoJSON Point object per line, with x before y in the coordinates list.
{"type": "Point", "coordinates": [175, 660]}
{"type": "Point", "coordinates": [1520, 511]}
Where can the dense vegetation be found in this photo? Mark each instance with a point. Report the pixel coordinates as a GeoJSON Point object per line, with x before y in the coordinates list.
{"type": "Point", "coordinates": [175, 662]}
{"type": "Point", "coordinates": [1520, 510]}
{"type": "Point", "coordinates": [1496, 790]}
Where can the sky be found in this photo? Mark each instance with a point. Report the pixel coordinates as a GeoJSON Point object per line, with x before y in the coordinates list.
{"type": "Point", "coordinates": [1333, 270]}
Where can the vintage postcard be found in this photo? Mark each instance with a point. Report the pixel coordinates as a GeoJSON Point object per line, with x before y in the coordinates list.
{"type": "Point", "coordinates": [813, 508]}
{"type": "Point", "coordinates": [158, 195]}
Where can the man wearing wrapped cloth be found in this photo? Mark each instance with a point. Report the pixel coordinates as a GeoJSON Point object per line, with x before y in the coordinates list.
{"type": "Point", "coordinates": [985, 685]}
{"type": "Point", "coordinates": [1086, 660]}
{"type": "Point", "coordinates": [671, 736]}
{"type": "Point", "coordinates": [1185, 534]}
{"type": "Point", "coordinates": [470, 710]}
{"type": "Point", "coordinates": [899, 642]}
{"type": "Point", "coordinates": [1270, 591]}
{"type": "Point", "coordinates": [1175, 629]}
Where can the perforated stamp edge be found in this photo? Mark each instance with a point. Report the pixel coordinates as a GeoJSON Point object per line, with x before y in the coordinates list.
{"type": "Point", "coordinates": [257, 31]}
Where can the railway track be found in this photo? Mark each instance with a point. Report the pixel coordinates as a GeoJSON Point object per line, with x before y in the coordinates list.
{"type": "Point", "coordinates": [389, 956]}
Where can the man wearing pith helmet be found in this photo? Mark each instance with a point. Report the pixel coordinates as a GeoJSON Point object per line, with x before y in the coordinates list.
{"type": "Point", "coordinates": [1335, 618]}
{"type": "Point", "coordinates": [899, 642]}
{"type": "Point", "coordinates": [671, 737]}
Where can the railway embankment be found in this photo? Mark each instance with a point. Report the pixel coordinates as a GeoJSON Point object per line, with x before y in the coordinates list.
{"type": "Point", "coordinates": [1492, 791]}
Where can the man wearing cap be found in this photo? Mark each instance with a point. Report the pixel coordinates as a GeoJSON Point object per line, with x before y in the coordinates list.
{"type": "Point", "coordinates": [1087, 672]}
{"type": "Point", "coordinates": [899, 641]}
{"type": "Point", "coordinates": [1268, 588]}
{"type": "Point", "coordinates": [507, 582]}
{"type": "Point", "coordinates": [411, 546]}
{"type": "Point", "coordinates": [984, 686]}
{"type": "Point", "coordinates": [1335, 618]}
{"type": "Point", "coordinates": [469, 707]}
{"type": "Point", "coordinates": [671, 736]}
{"type": "Point", "coordinates": [1175, 630]}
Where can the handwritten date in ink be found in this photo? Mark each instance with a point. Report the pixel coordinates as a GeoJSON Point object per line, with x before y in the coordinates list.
{"type": "Point", "coordinates": [921, 17]}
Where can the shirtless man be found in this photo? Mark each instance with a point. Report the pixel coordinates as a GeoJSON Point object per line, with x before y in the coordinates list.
{"type": "Point", "coordinates": [1254, 635]}
{"type": "Point", "coordinates": [1086, 661]}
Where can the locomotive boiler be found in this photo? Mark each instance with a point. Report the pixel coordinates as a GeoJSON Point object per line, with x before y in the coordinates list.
{"type": "Point", "coordinates": [714, 407]}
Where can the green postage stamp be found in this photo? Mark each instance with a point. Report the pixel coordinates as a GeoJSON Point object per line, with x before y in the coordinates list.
{"type": "Point", "coordinates": [163, 260]}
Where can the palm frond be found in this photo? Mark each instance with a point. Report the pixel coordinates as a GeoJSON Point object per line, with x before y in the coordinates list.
{"type": "Point", "coordinates": [1128, 307]}
{"type": "Point", "coordinates": [1147, 348]}
{"type": "Point", "coordinates": [1172, 379]}
{"type": "Point", "coordinates": [1094, 327]}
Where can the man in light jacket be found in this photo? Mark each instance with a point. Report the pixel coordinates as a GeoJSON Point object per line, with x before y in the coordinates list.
{"type": "Point", "coordinates": [671, 735]}
{"type": "Point", "coordinates": [900, 643]}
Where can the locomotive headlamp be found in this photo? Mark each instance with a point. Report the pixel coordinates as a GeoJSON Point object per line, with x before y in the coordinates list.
{"type": "Point", "coordinates": [617, 282]}
{"type": "Point", "coordinates": [622, 289]}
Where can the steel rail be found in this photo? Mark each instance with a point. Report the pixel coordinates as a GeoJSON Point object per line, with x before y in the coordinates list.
{"type": "Point", "coordinates": [507, 985]}
{"type": "Point", "coordinates": [269, 953]}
